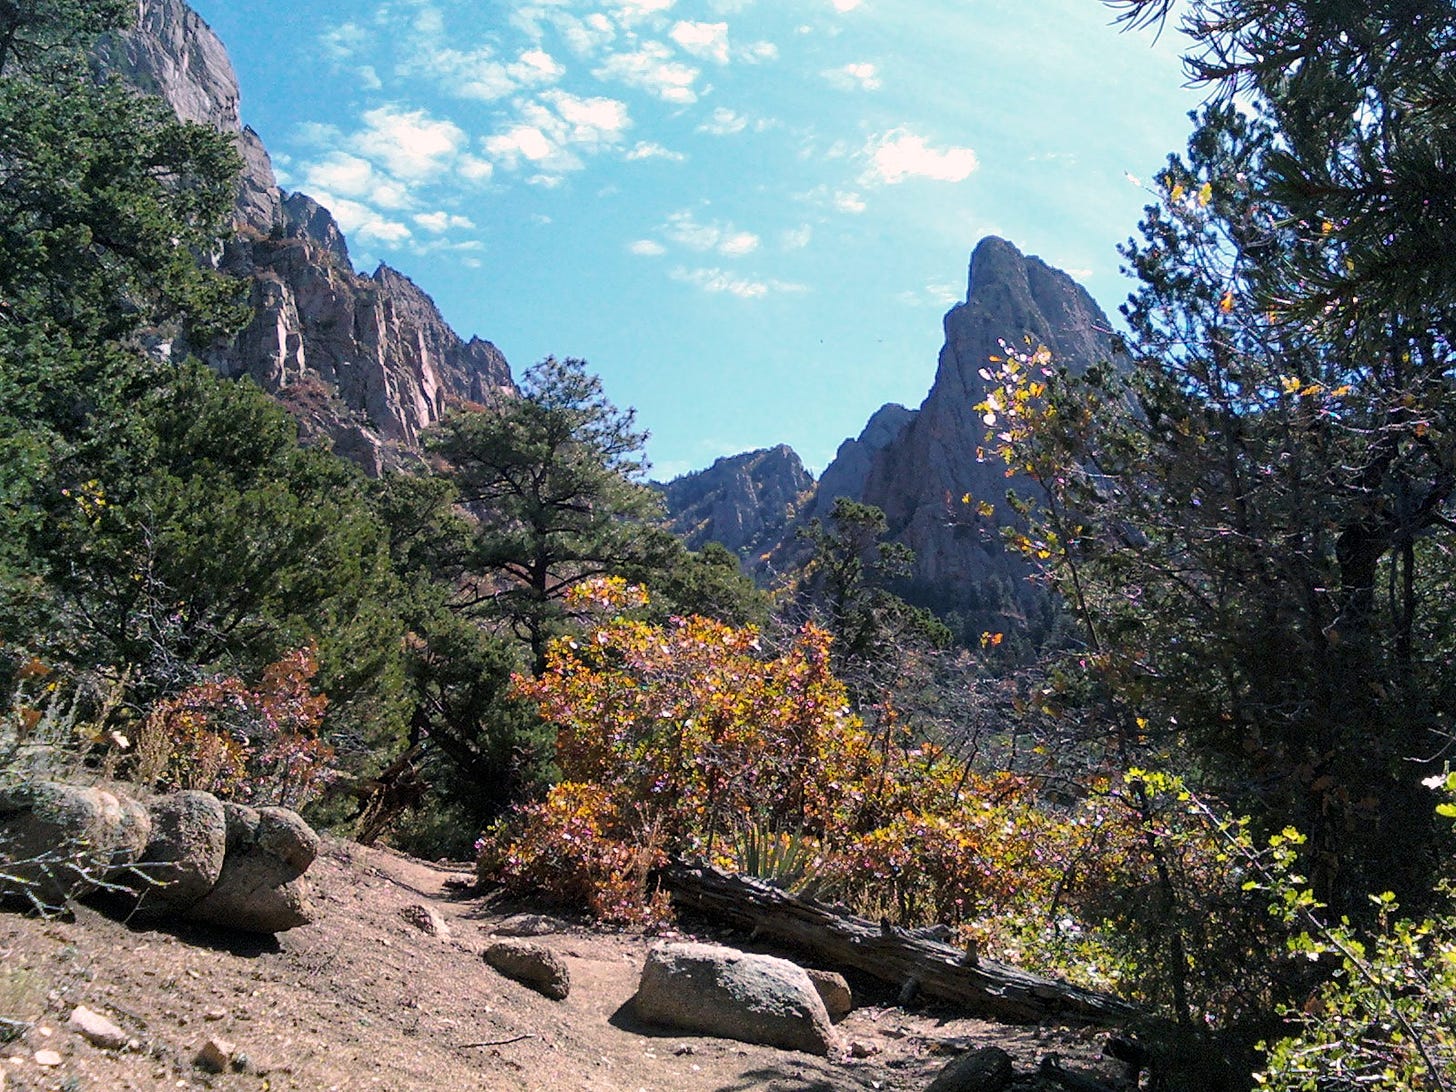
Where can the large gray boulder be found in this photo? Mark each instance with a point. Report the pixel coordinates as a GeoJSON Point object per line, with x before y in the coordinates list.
{"type": "Point", "coordinates": [730, 994]}
{"type": "Point", "coordinates": [58, 842]}
{"type": "Point", "coordinates": [261, 888]}
{"type": "Point", "coordinates": [184, 857]}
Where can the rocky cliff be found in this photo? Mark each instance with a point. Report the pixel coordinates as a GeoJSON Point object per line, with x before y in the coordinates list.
{"type": "Point", "coordinates": [365, 362]}
{"type": "Point", "coordinates": [850, 469]}
{"type": "Point", "coordinates": [917, 465]}
{"type": "Point", "coordinates": [920, 476]}
{"type": "Point", "coordinates": [747, 502]}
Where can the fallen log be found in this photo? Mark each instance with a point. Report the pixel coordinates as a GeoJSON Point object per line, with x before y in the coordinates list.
{"type": "Point", "coordinates": [988, 988]}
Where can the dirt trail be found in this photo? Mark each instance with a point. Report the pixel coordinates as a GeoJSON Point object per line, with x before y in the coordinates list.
{"type": "Point", "coordinates": [362, 1000]}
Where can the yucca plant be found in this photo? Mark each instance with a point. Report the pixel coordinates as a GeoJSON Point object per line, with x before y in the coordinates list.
{"type": "Point", "coordinates": [786, 859]}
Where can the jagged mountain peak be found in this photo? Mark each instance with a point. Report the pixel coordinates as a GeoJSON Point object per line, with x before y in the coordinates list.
{"type": "Point", "coordinates": [917, 465]}
{"type": "Point", "coordinates": [365, 362]}
{"type": "Point", "coordinates": [746, 502]}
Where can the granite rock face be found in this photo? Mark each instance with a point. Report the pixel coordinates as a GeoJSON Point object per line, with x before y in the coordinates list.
{"type": "Point", "coordinates": [920, 474]}
{"type": "Point", "coordinates": [747, 502]}
{"type": "Point", "coordinates": [847, 474]}
{"type": "Point", "coordinates": [364, 362]}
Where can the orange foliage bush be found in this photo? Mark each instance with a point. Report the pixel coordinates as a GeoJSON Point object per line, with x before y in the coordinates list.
{"type": "Point", "coordinates": [674, 738]}
{"type": "Point", "coordinates": [258, 744]}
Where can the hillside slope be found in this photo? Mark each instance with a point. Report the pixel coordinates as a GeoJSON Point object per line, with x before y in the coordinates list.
{"type": "Point", "coordinates": [362, 999]}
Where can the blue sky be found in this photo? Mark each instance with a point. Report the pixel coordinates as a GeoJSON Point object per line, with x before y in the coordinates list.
{"type": "Point", "coordinates": [748, 215]}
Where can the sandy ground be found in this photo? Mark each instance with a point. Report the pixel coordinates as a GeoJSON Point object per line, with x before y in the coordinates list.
{"type": "Point", "coordinates": [362, 1000]}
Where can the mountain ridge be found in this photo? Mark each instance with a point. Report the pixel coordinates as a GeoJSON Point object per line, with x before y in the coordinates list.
{"type": "Point", "coordinates": [918, 465]}
{"type": "Point", "coordinates": [366, 363]}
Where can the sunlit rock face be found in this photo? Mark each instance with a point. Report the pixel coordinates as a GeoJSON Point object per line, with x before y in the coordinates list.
{"type": "Point", "coordinates": [921, 476]}
{"type": "Point", "coordinates": [365, 363]}
{"type": "Point", "coordinates": [747, 502]}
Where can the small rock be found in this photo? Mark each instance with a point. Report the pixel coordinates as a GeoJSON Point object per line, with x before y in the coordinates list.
{"type": "Point", "coordinates": [216, 1055]}
{"type": "Point", "coordinates": [426, 919]}
{"type": "Point", "coordinates": [47, 1058]}
{"type": "Point", "coordinates": [861, 1049]}
{"type": "Point", "coordinates": [213, 1015]}
{"type": "Point", "coordinates": [834, 990]}
{"type": "Point", "coordinates": [531, 965]}
{"type": "Point", "coordinates": [97, 1029]}
{"type": "Point", "coordinates": [985, 1070]}
{"type": "Point", "coordinates": [528, 925]}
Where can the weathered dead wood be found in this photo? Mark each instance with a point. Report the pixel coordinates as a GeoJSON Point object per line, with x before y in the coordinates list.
{"type": "Point", "coordinates": [992, 989]}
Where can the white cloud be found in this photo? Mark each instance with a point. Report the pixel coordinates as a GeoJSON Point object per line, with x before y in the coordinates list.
{"type": "Point", "coordinates": [587, 36]}
{"type": "Point", "coordinates": [706, 40]}
{"type": "Point", "coordinates": [474, 169]}
{"type": "Point", "coordinates": [842, 6]}
{"type": "Point", "coordinates": [429, 21]}
{"type": "Point", "coordinates": [724, 122]}
{"type": "Point", "coordinates": [861, 76]}
{"type": "Point", "coordinates": [797, 238]}
{"type": "Point", "coordinates": [684, 228]}
{"type": "Point", "coordinates": [738, 243]}
{"type": "Point", "coordinates": [900, 155]}
{"type": "Point", "coordinates": [719, 281]}
{"type": "Point", "coordinates": [648, 248]}
{"type": "Point", "coordinates": [937, 294]}
{"type": "Point", "coordinates": [368, 78]}
{"type": "Point", "coordinates": [409, 143]}
{"type": "Point", "coordinates": [652, 68]}
{"type": "Point", "coordinates": [344, 41]}
{"type": "Point", "coordinates": [648, 149]}
{"type": "Point", "coordinates": [360, 222]}
{"type": "Point", "coordinates": [849, 201]}
{"type": "Point", "coordinates": [440, 222]}
{"type": "Point", "coordinates": [479, 74]}
{"type": "Point", "coordinates": [757, 52]}
{"type": "Point", "coordinates": [554, 128]}
{"type": "Point", "coordinates": [633, 11]}
{"type": "Point", "coordinates": [354, 177]}
{"type": "Point", "coordinates": [317, 134]}
{"type": "Point", "coordinates": [520, 142]}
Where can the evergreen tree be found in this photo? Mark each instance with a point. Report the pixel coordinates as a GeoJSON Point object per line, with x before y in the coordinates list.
{"type": "Point", "coordinates": [551, 483]}
{"type": "Point", "coordinates": [1249, 523]}
{"type": "Point", "coordinates": [845, 587]}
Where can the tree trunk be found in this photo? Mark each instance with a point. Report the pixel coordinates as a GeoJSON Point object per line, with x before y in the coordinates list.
{"type": "Point", "coordinates": [892, 955]}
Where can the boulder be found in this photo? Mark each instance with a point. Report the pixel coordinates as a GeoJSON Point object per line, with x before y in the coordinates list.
{"type": "Point", "coordinates": [261, 888]}
{"type": "Point", "coordinates": [184, 857]}
{"type": "Point", "coordinates": [532, 965]}
{"type": "Point", "coordinates": [722, 992]}
{"type": "Point", "coordinates": [984, 1070]}
{"type": "Point", "coordinates": [282, 833]}
{"type": "Point", "coordinates": [63, 841]}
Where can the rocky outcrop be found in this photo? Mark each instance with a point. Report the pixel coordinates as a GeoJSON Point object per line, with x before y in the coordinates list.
{"type": "Point", "coordinates": [261, 888]}
{"type": "Point", "coordinates": [746, 502]}
{"type": "Point", "coordinates": [186, 854]}
{"type": "Point", "coordinates": [364, 362]}
{"type": "Point", "coordinates": [921, 474]}
{"type": "Point", "coordinates": [847, 474]}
